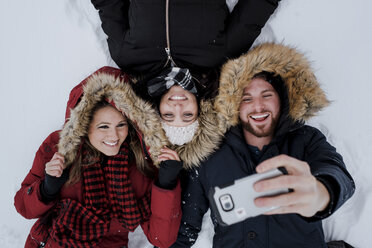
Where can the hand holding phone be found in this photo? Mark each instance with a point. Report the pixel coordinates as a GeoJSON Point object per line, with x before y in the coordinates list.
{"type": "Point", "coordinates": [235, 202]}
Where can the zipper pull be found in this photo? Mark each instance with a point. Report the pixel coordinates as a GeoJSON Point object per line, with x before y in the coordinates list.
{"type": "Point", "coordinates": [167, 50]}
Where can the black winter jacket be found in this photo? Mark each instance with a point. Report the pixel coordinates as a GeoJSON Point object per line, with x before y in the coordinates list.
{"type": "Point", "coordinates": [301, 98]}
{"type": "Point", "coordinates": [233, 161]}
{"type": "Point", "coordinates": [200, 34]}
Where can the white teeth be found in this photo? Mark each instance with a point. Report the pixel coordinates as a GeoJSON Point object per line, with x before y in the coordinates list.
{"type": "Point", "coordinates": [110, 144]}
{"type": "Point", "coordinates": [178, 98]}
{"type": "Point", "coordinates": [259, 116]}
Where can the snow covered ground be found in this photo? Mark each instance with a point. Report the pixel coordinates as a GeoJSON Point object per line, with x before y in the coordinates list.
{"type": "Point", "coordinates": [47, 47]}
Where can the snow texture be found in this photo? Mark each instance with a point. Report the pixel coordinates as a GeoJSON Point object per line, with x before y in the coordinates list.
{"type": "Point", "coordinates": [47, 47]}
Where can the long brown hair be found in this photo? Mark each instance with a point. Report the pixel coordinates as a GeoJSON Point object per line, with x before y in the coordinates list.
{"type": "Point", "coordinates": [91, 153]}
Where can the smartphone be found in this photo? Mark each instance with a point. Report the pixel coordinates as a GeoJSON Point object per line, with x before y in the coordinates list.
{"type": "Point", "coordinates": [234, 202]}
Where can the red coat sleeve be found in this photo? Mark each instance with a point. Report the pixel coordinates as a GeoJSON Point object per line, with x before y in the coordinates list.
{"type": "Point", "coordinates": [162, 228]}
{"type": "Point", "coordinates": [27, 200]}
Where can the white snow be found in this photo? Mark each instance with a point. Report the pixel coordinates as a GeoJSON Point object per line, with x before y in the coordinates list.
{"type": "Point", "coordinates": [47, 47]}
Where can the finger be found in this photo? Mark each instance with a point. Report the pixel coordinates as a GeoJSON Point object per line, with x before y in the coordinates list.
{"type": "Point", "coordinates": [170, 154]}
{"type": "Point", "coordinates": [166, 153]}
{"type": "Point", "coordinates": [272, 163]}
{"type": "Point", "coordinates": [164, 157]}
{"type": "Point", "coordinates": [281, 200]}
{"type": "Point", "coordinates": [169, 151]}
{"type": "Point", "coordinates": [55, 162]}
{"type": "Point", "coordinates": [292, 209]}
{"type": "Point", "coordinates": [54, 167]}
{"type": "Point", "coordinates": [59, 157]}
{"type": "Point", "coordinates": [285, 181]}
{"type": "Point", "coordinates": [293, 165]}
{"type": "Point", "coordinates": [287, 199]}
{"type": "Point", "coordinates": [56, 172]}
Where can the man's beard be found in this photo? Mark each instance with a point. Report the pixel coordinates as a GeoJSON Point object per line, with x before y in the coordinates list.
{"type": "Point", "coordinates": [259, 131]}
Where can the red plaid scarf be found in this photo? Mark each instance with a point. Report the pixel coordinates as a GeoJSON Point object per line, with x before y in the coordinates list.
{"type": "Point", "coordinates": [108, 194]}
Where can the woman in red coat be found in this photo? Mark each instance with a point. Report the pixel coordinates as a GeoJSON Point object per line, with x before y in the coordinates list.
{"type": "Point", "coordinates": [96, 185]}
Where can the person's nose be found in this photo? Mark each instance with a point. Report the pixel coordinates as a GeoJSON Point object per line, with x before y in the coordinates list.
{"type": "Point", "coordinates": [258, 105]}
{"type": "Point", "coordinates": [113, 134]}
{"type": "Point", "coordinates": [177, 103]}
{"type": "Point", "coordinates": [178, 106]}
{"type": "Point", "coordinates": [177, 111]}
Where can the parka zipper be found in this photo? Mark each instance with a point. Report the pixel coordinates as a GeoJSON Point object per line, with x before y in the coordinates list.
{"type": "Point", "coordinates": [167, 49]}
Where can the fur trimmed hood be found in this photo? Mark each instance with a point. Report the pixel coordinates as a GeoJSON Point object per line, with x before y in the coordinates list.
{"type": "Point", "coordinates": [206, 139]}
{"type": "Point", "coordinates": [305, 97]}
{"type": "Point", "coordinates": [107, 84]}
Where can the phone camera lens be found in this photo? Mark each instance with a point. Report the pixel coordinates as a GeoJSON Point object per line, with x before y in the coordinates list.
{"type": "Point", "coordinates": [226, 202]}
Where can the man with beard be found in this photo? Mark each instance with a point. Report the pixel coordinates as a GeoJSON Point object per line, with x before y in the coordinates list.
{"type": "Point", "coordinates": [274, 97]}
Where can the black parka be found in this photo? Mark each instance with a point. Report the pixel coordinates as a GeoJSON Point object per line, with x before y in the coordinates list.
{"type": "Point", "coordinates": [301, 99]}
{"type": "Point", "coordinates": [233, 161]}
{"type": "Point", "coordinates": [200, 34]}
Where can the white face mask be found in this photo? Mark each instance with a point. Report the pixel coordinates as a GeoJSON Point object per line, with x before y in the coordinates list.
{"type": "Point", "coordinates": [180, 135]}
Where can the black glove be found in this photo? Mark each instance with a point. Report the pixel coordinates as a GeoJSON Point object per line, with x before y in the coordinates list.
{"type": "Point", "coordinates": [50, 186]}
{"type": "Point", "coordinates": [168, 174]}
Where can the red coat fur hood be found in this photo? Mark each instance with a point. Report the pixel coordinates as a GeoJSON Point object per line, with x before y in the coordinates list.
{"type": "Point", "coordinates": [110, 84]}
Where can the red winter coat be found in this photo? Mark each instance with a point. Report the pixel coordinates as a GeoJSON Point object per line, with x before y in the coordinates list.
{"type": "Point", "coordinates": [162, 227]}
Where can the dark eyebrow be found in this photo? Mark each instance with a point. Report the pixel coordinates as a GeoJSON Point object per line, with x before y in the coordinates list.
{"type": "Point", "coordinates": [166, 119]}
{"type": "Point", "coordinates": [262, 92]}
{"type": "Point", "coordinates": [184, 120]}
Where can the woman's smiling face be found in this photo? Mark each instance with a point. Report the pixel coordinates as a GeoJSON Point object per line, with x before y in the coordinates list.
{"type": "Point", "coordinates": [178, 107]}
{"type": "Point", "coordinates": [108, 130]}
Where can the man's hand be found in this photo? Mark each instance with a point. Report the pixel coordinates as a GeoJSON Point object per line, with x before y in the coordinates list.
{"type": "Point", "coordinates": [308, 197]}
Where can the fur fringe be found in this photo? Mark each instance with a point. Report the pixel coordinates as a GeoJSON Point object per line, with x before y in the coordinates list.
{"type": "Point", "coordinates": [306, 98]}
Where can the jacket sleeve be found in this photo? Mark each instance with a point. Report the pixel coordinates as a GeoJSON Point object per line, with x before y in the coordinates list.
{"type": "Point", "coordinates": [27, 200]}
{"type": "Point", "coordinates": [115, 23]}
{"type": "Point", "coordinates": [194, 206]}
{"type": "Point", "coordinates": [328, 167]}
{"type": "Point", "coordinates": [162, 228]}
{"type": "Point", "coordinates": [245, 23]}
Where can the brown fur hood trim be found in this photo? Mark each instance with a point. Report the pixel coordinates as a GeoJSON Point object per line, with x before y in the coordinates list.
{"type": "Point", "coordinates": [105, 86]}
{"type": "Point", "coordinates": [305, 96]}
{"type": "Point", "coordinates": [206, 140]}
